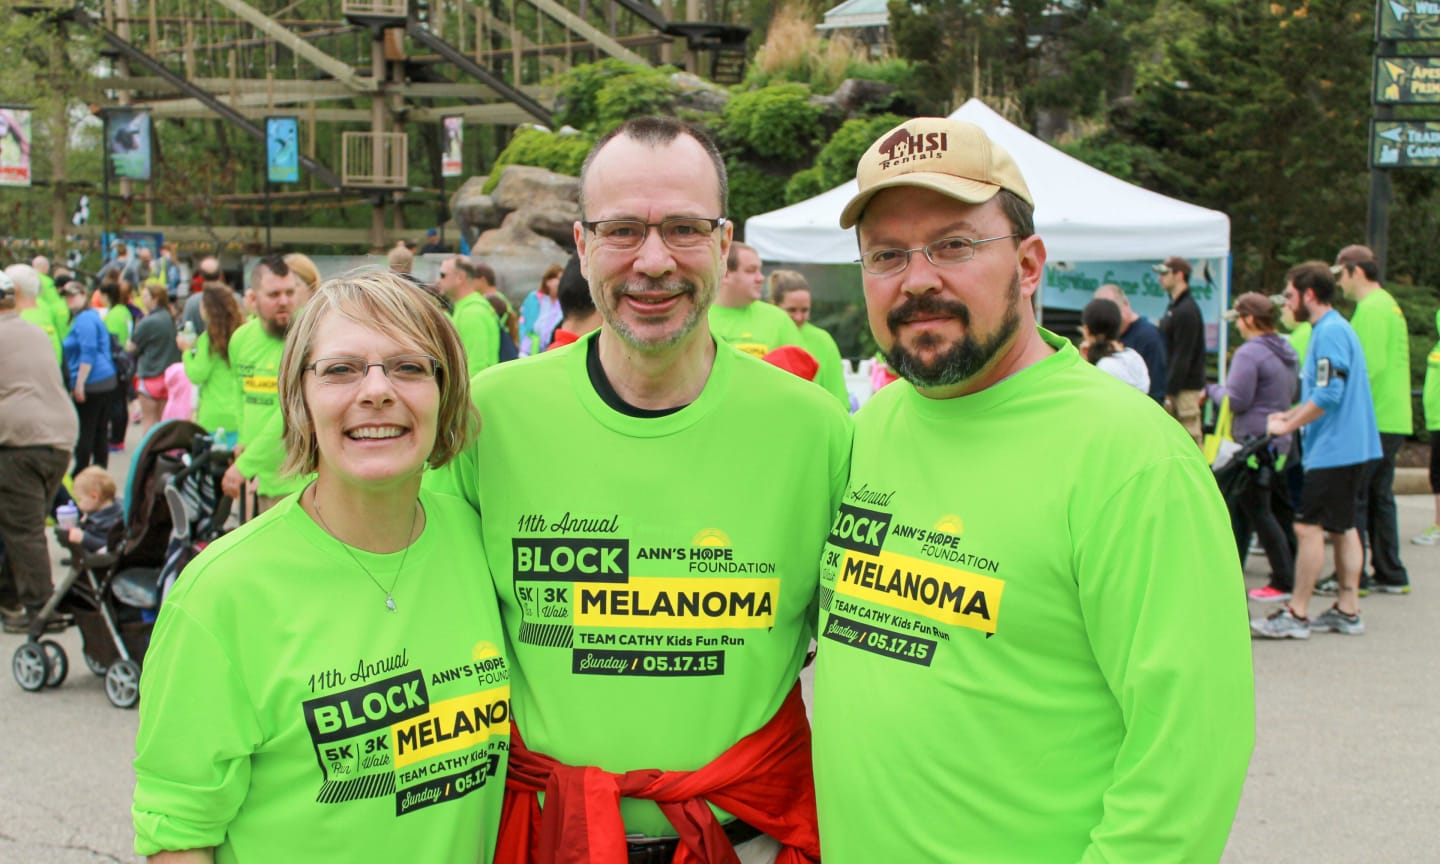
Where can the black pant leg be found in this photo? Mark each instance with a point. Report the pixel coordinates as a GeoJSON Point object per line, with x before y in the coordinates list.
{"type": "Point", "coordinates": [1382, 522]}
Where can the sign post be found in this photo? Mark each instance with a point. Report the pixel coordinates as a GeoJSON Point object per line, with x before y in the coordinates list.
{"type": "Point", "coordinates": [452, 139]}
{"type": "Point", "coordinates": [282, 161]}
{"type": "Point", "coordinates": [1407, 80]}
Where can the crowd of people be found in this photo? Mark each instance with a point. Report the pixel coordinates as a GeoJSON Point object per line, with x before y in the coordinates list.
{"type": "Point", "coordinates": [485, 608]}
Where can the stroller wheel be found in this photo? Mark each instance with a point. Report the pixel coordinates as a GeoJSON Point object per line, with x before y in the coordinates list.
{"type": "Point", "coordinates": [122, 683]}
{"type": "Point", "coordinates": [95, 666]}
{"type": "Point", "coordinates": [31, 666]}
{"type": "Point", "coordinates": [59, 663]}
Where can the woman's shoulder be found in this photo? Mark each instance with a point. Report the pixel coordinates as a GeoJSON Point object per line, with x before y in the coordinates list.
{"type": "Point", "coordinates": [231, 564]}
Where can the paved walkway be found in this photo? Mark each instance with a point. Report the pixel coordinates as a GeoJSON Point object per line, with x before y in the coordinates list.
{"type": "Point", "coordinates": [1344, 767]}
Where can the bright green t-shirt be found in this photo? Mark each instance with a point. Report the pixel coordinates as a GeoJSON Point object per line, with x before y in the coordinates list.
{"type": "Point", "coordinates": [41, 318]}
{"type": "Point", "coordinates": [756, 329]}
{"type": "Point", "coordinates": [479, 330]}
{"type": "Point", "coordinates": [287, 715]}
{"type": "Point", "coordinates": [1385, 340]}
{"type": "Point", "coordinates": [1430, 393]}
{"type": "Point", "coordinates": [1033, 642]}
{"type": "Point", "coordinates": [822, 347]}
{"type": "Point", "coordinates": [220, 397]}
{"type": "Point", "coordinates": [1299, 339]}
{"type": "Point", "coordinates": [120, 323]}
{"type": "Point", "coordinates": [255, 358]}
{"type": "Point", "coordinates": [54, 305]}
{"type": "Point", "coordinates": [656, 575]}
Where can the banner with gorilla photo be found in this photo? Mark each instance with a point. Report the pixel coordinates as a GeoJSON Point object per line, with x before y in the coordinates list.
{"type": "Point", "coordinates": [127, 143]}
{"type": "Point", "coordinates": [14, 146]}
{"type": "Point", "coordinates": [454, 138]}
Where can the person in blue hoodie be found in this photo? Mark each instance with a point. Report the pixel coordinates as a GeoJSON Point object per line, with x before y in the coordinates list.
{"type": "Point", "coordinates": [93, 383]}
{"type": "Point", "coordinates": [1263, 375]}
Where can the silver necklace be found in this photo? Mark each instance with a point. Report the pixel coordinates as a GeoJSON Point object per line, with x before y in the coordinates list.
{"type": "Point", "coordinates": [389, 599]}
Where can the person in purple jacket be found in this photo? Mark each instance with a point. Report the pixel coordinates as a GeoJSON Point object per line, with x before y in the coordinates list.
{"type": "Point", "coordinates": [1263, 375]}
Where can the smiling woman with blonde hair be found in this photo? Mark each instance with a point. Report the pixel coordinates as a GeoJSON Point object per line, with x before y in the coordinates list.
{"type": "Point", "coordinates": [329, 681]}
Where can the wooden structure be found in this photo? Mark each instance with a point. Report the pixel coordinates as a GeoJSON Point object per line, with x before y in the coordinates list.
{"type": "Point", "coordinates": [375, 70]}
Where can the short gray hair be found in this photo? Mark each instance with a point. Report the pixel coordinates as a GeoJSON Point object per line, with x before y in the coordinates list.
{"type": "Point", "coordinates": [27, 281]}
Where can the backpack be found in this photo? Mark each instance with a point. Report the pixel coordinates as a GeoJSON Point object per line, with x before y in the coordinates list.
{"type": "Point", "coordinates": [124, 363]}
{"type": "Point", "coordinates": [508, 349]}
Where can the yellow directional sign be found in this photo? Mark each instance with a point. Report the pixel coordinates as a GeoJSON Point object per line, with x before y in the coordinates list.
{"type": "Point", "coordinates": [1407, 81]}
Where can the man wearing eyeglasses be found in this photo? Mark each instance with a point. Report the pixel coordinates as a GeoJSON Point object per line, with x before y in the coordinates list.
{"type": "Point", "coordinates": [479, 328]}
{"type": "Point", "coordinates": [1036, 649]}
{"type": "Point", "coordinates": [660, 610]}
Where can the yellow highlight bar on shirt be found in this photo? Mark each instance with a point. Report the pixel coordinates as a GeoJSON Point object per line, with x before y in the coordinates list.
{"type": "Point", "coordinates": [261, 384]}
{"type": "Point", "coordinates": [455, 724]}
{"type": "Point", "coordinates": [677, 603]}
{"type": "Point", "coordinates": [944, 594]}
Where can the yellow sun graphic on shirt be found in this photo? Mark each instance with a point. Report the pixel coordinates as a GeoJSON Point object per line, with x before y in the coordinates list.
{"type": "Point", "coordinates": [484, 650]}
{"type": "Point", "coordinates": [950, 524]}
{"type": "Point", "coordinates": [710, 537]}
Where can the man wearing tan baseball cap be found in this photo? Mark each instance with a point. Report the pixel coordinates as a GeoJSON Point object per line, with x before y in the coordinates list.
{"type": "Point", "coordinates": [1020, 545]}
{"type": "Point", "coordinates": [1384, 335]}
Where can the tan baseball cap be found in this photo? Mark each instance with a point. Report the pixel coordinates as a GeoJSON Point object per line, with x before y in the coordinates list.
{"type": "Point", "coordinates": [1350, 256]}
{"type": "Point", "coordinates": [947, 156]}
{"type": "Point", "coordinates": [1253, 304]}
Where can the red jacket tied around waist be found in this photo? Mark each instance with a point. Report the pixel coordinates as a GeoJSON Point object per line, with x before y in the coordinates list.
{"type": "Point", "coordinates": [764, 779]}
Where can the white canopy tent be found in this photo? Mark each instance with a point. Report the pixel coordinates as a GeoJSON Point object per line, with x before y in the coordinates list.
{"type": "Point", "coordinates": [1082, 213]}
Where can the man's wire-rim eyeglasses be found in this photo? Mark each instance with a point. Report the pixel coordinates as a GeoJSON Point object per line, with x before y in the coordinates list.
{"type": "Point", "coordinates": [402, 369]}
{"type": "Point", "coordinates": [677, 232]}
{"type": "Point", "coordinates": [945, 252]}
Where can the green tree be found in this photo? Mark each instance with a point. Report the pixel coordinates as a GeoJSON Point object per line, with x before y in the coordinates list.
{"type": "Point", "coordinates": [1266, 118]}
{"type": "Point", "coordinates": [46, 65]}
{"type": "Point", "coordinates": [1022, 56]}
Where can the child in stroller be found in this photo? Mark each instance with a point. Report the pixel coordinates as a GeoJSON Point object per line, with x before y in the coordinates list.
{"type": "Point", "coordinates": [95, 493]}
{"type": "Point", "coordinates": [172, 508]}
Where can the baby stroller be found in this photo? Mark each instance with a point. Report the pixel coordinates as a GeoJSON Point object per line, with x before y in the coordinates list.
{"type": "Point", "coordinates": [1254, 464]}
{"type": "Point", "coordinates": [173, 507]}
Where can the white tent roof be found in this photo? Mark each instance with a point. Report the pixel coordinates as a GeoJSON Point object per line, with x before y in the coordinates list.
{"type": "Point", "coordinates": [857, 13]}
{"type": "Point", "coordinates": [1082, 213]}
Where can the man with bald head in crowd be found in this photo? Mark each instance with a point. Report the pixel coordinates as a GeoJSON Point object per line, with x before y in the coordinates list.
{"type": "Point", "coordinates": [49, 297]}
{"type": "Point", "coordinates": [1139, 335]}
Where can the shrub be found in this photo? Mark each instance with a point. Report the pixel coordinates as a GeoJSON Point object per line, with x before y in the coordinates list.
{"type": "Point", "coordinates": [752, 190]}
{"type": "Point", "coordinates": [837, 159]}
{"type": "Point", "coordinates": [634, 93]}
{"type": "Point", "coordinates": [777, 122]}
{"type": "Point", "coordinates": [578, 90]}
{"type": "Point", "coordinates": [541, 148]}
{"type": "Point", "coordinates": [804, 184]}
{"type": "Point", "coordinates": [794, 52]}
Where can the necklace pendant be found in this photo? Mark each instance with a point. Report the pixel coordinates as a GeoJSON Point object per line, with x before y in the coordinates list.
{"type": "Point", "coordinates": [389, 602]}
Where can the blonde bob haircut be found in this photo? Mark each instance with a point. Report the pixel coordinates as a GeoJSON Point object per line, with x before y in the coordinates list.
{"type": "Point", "coordinates": [402, 311]}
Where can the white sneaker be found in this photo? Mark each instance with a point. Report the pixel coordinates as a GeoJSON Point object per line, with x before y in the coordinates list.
{"type": "Point", "coordinates": [1281, 625]}
{"type": "Point", "coordinates": [1332, 620]}
{"type": "Point", "coordinates": [1429, 537]}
